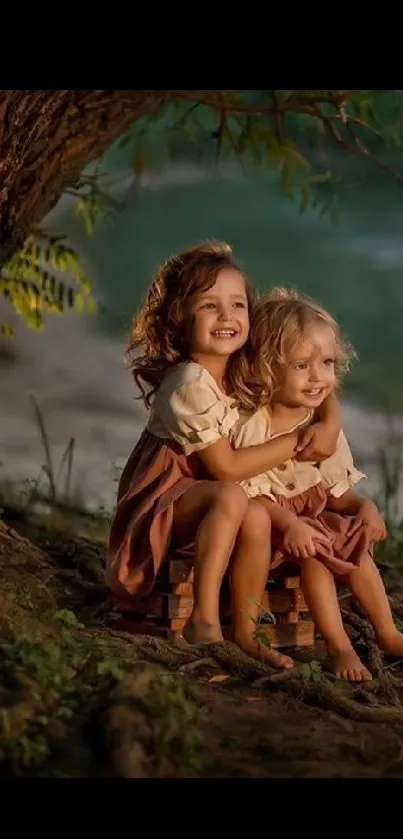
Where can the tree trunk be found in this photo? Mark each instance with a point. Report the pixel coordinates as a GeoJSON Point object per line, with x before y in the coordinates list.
{"type": "Point", "coordinates": [47, 137]}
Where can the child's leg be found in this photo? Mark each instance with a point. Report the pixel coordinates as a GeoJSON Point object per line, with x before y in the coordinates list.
{"type": "Point", "coordinates": [321, 597]}
{"type": "Point", "coordinates": [214, 511]}
{"type": "Point", "coordinates": [367, 586]}
{"type": "Point", "coordinates": [249, 573]}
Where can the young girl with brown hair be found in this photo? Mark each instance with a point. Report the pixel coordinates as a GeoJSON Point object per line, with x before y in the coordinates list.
{"type": "Point", "coordinates": [180, 491]}
{"type": "Point", "coordinates": [298, 358]}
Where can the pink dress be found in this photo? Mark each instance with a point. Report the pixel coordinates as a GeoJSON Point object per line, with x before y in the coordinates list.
{"type": "Point", "coordinates": [189, 413]}
{"type": "Point", "coordinates": [304, 489]}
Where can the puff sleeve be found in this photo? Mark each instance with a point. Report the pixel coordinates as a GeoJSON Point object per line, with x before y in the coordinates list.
{"type": "Point", "coordinates": [195, 414]}
{"type": "Point", "coordinates": [338, 472]}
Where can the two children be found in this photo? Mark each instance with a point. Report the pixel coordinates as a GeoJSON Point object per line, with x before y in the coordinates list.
{"type": "Point", "coordinates": [243, 417]}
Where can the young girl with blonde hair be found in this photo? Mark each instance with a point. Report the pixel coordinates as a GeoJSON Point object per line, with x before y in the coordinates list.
{"type": "Point", "coordinates": [298, 358]}
{"type": "Point", "coordinates": [180, 491]}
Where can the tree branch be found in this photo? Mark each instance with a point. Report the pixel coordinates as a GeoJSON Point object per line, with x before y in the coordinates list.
{"type": "Point", "coordinates": [47, 137]}
{"type": "Point", "coordinates": [294, 101]}
{"type": "Point", "coordinates": [362, 148]}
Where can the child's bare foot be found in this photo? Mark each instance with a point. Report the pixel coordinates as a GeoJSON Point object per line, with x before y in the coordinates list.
{"type": "Point", "coordinates": [197, 631]}
{"type": "Point", "coordinates": [346, 664]}
{"type": "Point", "coordinates": [266, 655]}
{"type": "Point", "coordinates": [392, 643]}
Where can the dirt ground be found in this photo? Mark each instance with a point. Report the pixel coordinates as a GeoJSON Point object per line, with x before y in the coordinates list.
{"type": "Point", "coordinates": [78, 699]}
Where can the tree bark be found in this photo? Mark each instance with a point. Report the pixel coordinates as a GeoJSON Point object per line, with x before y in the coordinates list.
{"type": "Point", "coordinates": [47, 137]}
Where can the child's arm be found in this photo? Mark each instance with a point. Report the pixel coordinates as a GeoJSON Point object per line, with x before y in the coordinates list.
{"type": "Point", "coordinates": [364, 510]}
{"type": "Point", "coordinates": [319, 440]}
{"type": "Point", "coordinates": [299, 536]}
{"type": "Point", "coordinates": [198, 418]}
{"type": "Point", "coordinates": [227, 464]}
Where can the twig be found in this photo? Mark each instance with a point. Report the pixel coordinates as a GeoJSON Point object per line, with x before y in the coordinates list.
{"type": "Point", "coordinates": [347, 119]}
{"type": "Point", "coordinates": [219, 136]}
{"type": "Point", "coordinates": [374, 160]}
{"type": "Point", "coordinates": [278, 118]}
{"type": "Point", "coordinates": [186, 115]}
{"type": "Point", "coordinates": [333, 131]}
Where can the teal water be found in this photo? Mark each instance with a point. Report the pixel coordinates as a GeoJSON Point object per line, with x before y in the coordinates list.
{"type": "Point", "coordinates": [355, 267]}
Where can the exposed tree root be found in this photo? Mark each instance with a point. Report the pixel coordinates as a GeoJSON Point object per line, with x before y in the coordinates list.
{"type": "Point", "coordinates": [142, 720]}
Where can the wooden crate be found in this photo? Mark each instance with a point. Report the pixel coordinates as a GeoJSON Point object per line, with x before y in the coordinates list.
{"type": "Point", "coordinates": [165, 612]}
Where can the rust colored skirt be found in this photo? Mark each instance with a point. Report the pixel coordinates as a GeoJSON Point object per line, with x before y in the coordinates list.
{"type": "Point", "coordinates": [348, 543]}
{"type": "Point", "coordinates": [156, 474]}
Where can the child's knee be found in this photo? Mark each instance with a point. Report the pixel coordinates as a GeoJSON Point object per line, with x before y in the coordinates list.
{"type": "Point", "coordinates": [257, 521]}
{"type": "Point", "coordinates": [232, 499]}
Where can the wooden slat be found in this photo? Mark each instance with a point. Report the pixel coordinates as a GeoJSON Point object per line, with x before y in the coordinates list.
{"type": "Point", "coordinates": [288, 617]}
{"type": "Point", "coordinates": [177, 623]}
{"type": "Point", "coordinates": [296, 635]}
{"type": "Point", "coordinates": [292, 582]}
{"type": "Point", "coordinates": [286, 635]}
{"type": "Point", "coordinates": [180, 570]}
{"type": "Point", "coordinates": [162, 605]}
{"type": "Point", "coordinates": [182, 589]}
{"type": "Point", "coordinates": [278, 601]}
{"type": "Point", "coordinates": [165, 612]}
{"type": "Point", "coordinates": [299, 601]}
{"type": "Point", "coordinates": [179, 607]}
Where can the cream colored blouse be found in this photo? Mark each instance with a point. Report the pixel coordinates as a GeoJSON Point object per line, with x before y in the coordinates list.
{"type": "Point", "coordinates": [190, 408]}
{"type": "Point", "coordinates": [337, 473]}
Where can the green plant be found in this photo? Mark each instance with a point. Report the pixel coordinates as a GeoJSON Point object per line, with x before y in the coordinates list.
{"type": "Point", "coordinates": [31, 280]}
{"type": "Point", "coordinates": [389, 497]}
{"type": "Point", "coordinates": [48, 467]}
{"type": "Point", "coordinates": [311, 670]}
{"type": "Point", "coordinates": [264, 616]}
{"type": "Point", "coordinates": [48, 683]}
{"type": "Point", "coordinates": [173, 707]}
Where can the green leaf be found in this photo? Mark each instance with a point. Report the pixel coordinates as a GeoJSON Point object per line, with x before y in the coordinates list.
{"type": "Point", "coordinates": [311, 670]}
{"type": "Point", "coordinates": [6, 330]}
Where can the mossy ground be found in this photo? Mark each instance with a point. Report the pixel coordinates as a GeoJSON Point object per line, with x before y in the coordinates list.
{"type": "Point", "coordinates": [80, 700]}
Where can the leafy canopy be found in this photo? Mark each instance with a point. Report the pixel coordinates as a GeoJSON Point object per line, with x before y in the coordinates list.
{"type": "Point", "coordinates": [281, 130]}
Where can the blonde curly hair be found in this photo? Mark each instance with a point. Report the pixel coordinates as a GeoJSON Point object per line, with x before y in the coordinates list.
{"type": "Point", "coordinates": [281, 319]}
{"type": "Point", "coordinates": [158, 336]}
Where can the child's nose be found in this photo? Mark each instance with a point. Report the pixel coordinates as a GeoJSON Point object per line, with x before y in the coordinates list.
{"type": "Point", "coordinates": [224, 312]}
{"type": "Point", "coordinates": [315, 374]}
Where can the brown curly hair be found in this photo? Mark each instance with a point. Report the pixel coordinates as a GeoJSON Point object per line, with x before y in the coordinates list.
{"type": "Point", "coordinates": [158, 336]}
{"type": "Point", "coordinates": [280, 320]}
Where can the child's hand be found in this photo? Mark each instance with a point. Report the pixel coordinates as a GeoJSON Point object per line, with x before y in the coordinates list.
{"type": "Point", "coordinates": [300, 537]}
{"type": "Point", "coordinates": [370, 515]}
{"type": "Point", "coordinates": [317, 442]}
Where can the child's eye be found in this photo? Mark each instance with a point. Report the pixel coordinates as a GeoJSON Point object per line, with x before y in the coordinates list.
{"type": "Point", "coordinates": [240, 305]}
{"type": "Point", "coordinates": [207, 306]}
{"type": "Point", "coordinates": [301, 366]}
{"type": "Point", "coordinates": [328, 362]}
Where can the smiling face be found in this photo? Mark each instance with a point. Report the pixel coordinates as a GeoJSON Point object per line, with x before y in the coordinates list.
{"type": "Point", "coordinates": [219, 317]}
{"type": "Point", "coordinates": [310, 372]}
